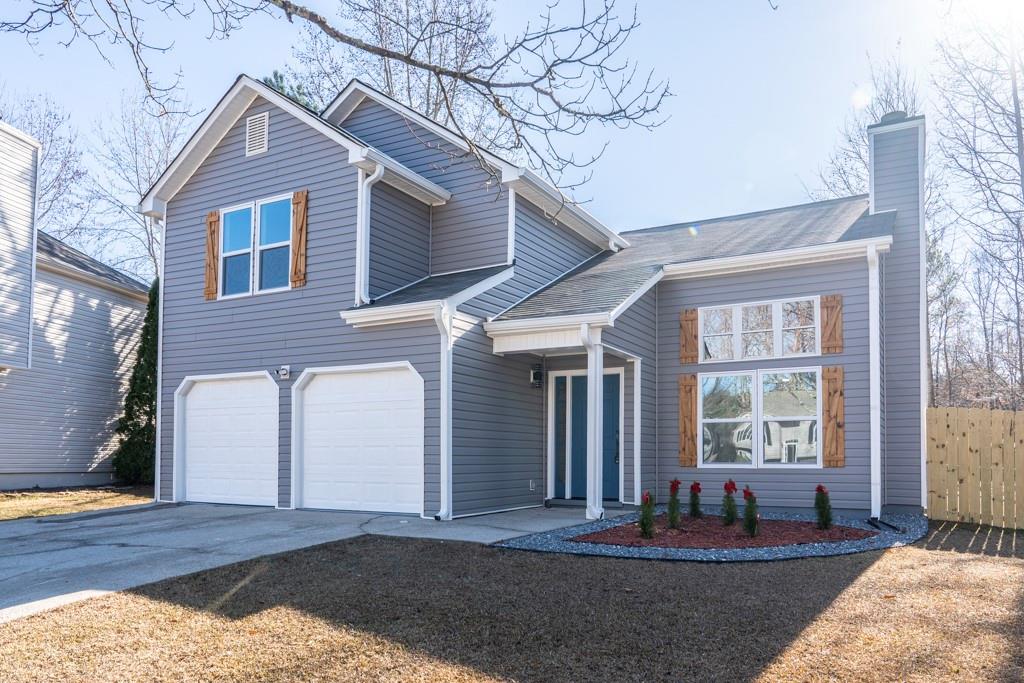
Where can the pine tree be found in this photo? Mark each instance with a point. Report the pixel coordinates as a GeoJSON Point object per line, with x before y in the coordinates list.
{"type": "Point", "coordinates": [135, 454]}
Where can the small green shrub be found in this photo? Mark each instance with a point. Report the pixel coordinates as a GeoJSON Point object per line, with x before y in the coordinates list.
{"type": "Point", "coordinates": [673, 503]}
{"type": "Point", "coordinates": [695, 511]}
{"type": "Point", "coordinates": [647, 515]}
{"type": "Point", "coordinates": [751, 517]}
{"type": "Point", "coordinates": [823, 506]}
{"type": "Point", "coordinates": [729, 512]}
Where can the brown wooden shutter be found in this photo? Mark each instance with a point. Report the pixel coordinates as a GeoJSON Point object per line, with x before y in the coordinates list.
{"type": "Point", "coordinates": [212, 254]}
{"type": "Point", "coordinates": [832, 323]}
{"type": "Point", "coordinates": [833, 417]}
{"type": "Point", "coordinates": [688, 336]}
{"type": "Point", "coordinates": [298, 277]}
{"type": "Point", "coordinates": [688, 420]}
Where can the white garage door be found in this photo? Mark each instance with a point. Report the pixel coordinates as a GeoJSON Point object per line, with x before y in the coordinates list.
{"type": "Point", "coordinates": [231, 441]}
{"type": "Point", "coordinates": [362, 441]}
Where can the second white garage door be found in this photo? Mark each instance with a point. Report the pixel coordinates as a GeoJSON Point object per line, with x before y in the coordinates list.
{"type": "Point", "coordinates": [361, 442]}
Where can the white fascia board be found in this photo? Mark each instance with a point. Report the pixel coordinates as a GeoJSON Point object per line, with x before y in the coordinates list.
{"type": "Point", "coordinates": [503, 327]}
{"type": "Point", "coordinates": [776, 259]}
{"type": "Point", "coordinates": [227, 112]}
{"type": "Point", "coordinates": [20, 135]}
{"type": "Point", "coordinates": [355, 92]}
{"type": "Point", "coordinates": [635, 296]}
{"type": "Point", "coordinates": [535, 189]}
{"type": "Point", "coordinates": [375, 316]}
{"type": "Point", "coordinates": [399, 177]}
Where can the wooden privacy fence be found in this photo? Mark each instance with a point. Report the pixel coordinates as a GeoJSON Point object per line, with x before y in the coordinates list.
{"type": "Point", "coordinates": [976, 466]}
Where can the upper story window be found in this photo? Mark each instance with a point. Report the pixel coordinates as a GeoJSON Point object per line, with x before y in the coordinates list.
{"type": "Point", "coordinates": [766, 329]}
{"type": "Point", "coordinates": [256, 247]}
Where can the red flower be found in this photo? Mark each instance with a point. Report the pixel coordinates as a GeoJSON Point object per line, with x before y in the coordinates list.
{"type": "Point", "coordinates": [730, 487]}
{"type": "Point", "coordinates": [747, 493]}
{"type": "Point", "coordinates": [695, 487]}
{"type": "Point", "coordinates": [673, 486]}
{"type": "Point", "coordinates": [821, 489]}
{"type": "Point", "coordinates": [646, 498]}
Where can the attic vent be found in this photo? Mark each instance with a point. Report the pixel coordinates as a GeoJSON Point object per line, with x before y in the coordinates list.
{"type": "Point", "coordinates": [256, 133]}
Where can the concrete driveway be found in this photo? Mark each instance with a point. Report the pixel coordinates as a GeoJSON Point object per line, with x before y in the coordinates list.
{"type": "Point", "coordinates": [51, 561]}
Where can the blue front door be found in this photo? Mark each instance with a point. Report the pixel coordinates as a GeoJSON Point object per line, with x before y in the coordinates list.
{"type": "Point", "coordinates": [571, 415]}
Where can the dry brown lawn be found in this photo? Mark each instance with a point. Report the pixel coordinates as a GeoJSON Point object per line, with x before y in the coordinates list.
{"type": "Point", "coordinates": [385, 609]}
{"type": "Point", "coordinates": [39, 503]}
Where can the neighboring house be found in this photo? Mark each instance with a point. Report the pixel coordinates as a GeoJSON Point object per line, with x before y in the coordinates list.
{"type": "Point", "coordinates": [69, 326]}
{"type": "Point", "coordinates": [356, 315]}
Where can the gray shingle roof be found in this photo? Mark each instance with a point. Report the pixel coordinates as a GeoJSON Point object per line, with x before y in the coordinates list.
{"type": "Point", "coordinates": [49, 247]}
{"type": "Point", "coordinates": [437, 287]}
{"type": "Point", "coordinates": [606, 281]}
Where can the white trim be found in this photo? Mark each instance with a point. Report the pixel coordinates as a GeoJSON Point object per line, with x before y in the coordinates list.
{"type": "Point", "coordinates": [550, 455]}
{"type": "Point", "coordinates": [635, 296]}
{"type": "Point", "coordinates": [443, 319]}
{"type": "Point", "coordinates": [871, 173]}
{"type": "Point", "coordinates": [513, 177]}
{"type": "Point", "coordinates": [250, 121]}
{"type": "Point", "coordinates": [494, 512]}
{"type": "Point", "coordinates": [757, 420]}
{"type": "Point", "coordinates": [782, 258]}
{"type": "Point", "coordinates": [398, 176]}
{"type": "Point", "coordinates": [638, 414]}
{"type": "Point", "coordinates": [21, 135]}
{"type": "Point", "coordinates": [511, 226]}
{"type": "Point", "coordinates": [235, 102]}
{"type": "Point", "coordinates": [295, 497]}
{"type": "Point", "coordinates": [923, 322]}
{"type": "Point", "coordinates": [382, 314]}
{"type": "Point", "coordinates": [777, 330]}
{"type": "Point", "coordinates": [499, 327]}
{"type": "Point", "coordinates": [180, 394]}
{"type": "Point", "coordinates": [254, 248]}
{"type": "Point", "coordinates": [35, 241]}
{"type": "Point", "coordinates": [875, 384]}
{"type": "Point", "coordinates": [158, 455]}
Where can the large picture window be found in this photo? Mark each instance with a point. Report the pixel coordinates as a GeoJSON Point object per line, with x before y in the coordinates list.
{"type": "Point", "coordinates": [256, 247]}
{"type": "Point", "coordinates": [767, 329]}
{"type": "Point", "coordinates": [763, 418]}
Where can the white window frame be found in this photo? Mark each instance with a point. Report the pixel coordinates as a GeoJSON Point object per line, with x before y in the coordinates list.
{"type": "Point", "coordinates": [757, 420]}
{"type": "Point", "coordinates": [254, 249]}
{"type": "Point", "coordinates": [258, 248]}
{"type": "Point", "coordinates": [777, 329]}
{"type": "Point", "coordinates": [221, 270]}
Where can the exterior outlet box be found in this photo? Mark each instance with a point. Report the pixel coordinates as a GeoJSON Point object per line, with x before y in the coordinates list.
{"type": "Point", "coordinates": [533, 486]}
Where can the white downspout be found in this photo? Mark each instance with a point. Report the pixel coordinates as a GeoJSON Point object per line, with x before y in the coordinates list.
{"type": "Point", "coordinates": [443, 319]}
{"type": "Point", "coordinates": [591, 341]}
{"type": "Point", "coordinates": [874, 377]}
{"type": "Point", "coordinates": [365, 195]}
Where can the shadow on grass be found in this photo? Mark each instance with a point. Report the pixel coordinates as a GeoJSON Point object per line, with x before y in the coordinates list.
{"type": "Point", "coordinates": [534, 616]}
{"type": "Point", "coordinates": [974, 539]}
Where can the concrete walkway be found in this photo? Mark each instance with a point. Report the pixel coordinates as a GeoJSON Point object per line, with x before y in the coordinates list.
{"type": "Point", "coordinates": [50, 561]}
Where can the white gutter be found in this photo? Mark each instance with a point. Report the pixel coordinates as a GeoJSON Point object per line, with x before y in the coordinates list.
{"type": "Point", "coordinates": [874, 381]}
{"type": "Point", "coordinates": [777, 259]}
{"type": "Point", "coordinates": [365, 193]}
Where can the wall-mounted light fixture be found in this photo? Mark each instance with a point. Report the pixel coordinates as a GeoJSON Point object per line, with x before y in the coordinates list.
{"type": "Point", "coordinates": [537, 376]}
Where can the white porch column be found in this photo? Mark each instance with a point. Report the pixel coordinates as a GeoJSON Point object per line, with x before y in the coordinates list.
{"type": "Point", "coordinates": [595, 420]}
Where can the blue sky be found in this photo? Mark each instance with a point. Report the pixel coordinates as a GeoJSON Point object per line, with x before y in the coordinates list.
{"type": "Point", "coordinates": [759, 94]}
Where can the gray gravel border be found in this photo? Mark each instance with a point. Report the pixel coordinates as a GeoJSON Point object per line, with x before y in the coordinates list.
{"type": "Point", "coordinates": [912, 527]}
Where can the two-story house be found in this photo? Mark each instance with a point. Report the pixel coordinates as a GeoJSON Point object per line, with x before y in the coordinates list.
{"type": "Point", "coordinates": [359, 315]}
{"type": "Point", "coordinates": [69, 327]}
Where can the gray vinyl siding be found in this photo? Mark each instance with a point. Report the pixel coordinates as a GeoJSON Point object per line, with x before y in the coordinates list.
{"type": "Point", "coordinates": [545, 250]}
{"type": "Point", "coordinates": [635, 332]}
{"type": "Point", "coordinates": [302, 327]}
{"type": "Point", "coordinates": [497, 427]}
{"type": "Point", "coordinates": [399, 240]}
{"type": "Point", "coordinates": [471, 229]}
{"type": "Point", "coordinates": [18, 161]}
{"type": "Point", "coordinates": [498, 423]}
{"type": "Point", "coordinates": [849, 485]}
{"type": "Point", "coordinates": [897, 186]}
{"type": "Point", "coordinates": [58, 418]}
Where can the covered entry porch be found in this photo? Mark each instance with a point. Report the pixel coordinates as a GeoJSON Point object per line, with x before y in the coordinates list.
{"type": "Point", "coordinates": [592, 409]}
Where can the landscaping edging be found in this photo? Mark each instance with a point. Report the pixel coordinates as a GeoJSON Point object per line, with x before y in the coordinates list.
{"type": "Point", "coordinates": [912, 527]}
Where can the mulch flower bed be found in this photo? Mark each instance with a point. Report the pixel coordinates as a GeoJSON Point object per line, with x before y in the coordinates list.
{"type": "Point", "coordinates": [709, 532]}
